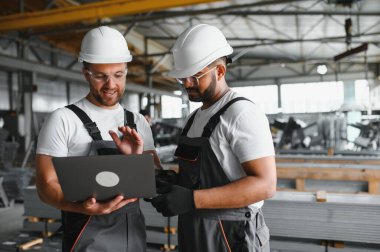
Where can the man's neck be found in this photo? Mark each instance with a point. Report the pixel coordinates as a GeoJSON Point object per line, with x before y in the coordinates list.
{"type": "Point", "coordinates": [216, 97]}
{"type": "Point", "coordinates": [93, 101]}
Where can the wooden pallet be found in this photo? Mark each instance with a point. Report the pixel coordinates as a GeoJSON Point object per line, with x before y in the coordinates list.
{"type": "Point", "coordinates": [301, 174]}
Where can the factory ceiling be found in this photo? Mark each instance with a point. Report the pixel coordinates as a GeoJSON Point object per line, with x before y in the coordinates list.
{"type": "Point", "coordinates": [274, 41]}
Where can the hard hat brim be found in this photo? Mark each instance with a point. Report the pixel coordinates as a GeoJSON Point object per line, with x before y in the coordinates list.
{"type": "Point", "coordinates": [190, 71]}
{"type": "Point", "coordinates": [103, 60]}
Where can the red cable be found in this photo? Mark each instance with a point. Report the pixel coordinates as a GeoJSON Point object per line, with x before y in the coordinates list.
{"type": "Point", "coordinates": [80, 234]}
{"type": "Point", "coordinates": [224, 235]}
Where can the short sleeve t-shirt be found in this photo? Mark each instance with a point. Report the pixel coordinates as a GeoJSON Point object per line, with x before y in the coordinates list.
{"type": "Point", "coordinates": [243, 134]}
{"type": "Point", "coordinates": [63, 133]}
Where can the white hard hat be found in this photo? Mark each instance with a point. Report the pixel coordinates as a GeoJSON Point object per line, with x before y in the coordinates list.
{"type": "Point", "coordinates": [197, 47]}
{"type": "Point", "coordinates": [104, 45]}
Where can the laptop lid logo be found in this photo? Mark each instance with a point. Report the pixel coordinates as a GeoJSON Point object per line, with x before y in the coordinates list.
{"type": "Point", "coordinates": [107, 179]}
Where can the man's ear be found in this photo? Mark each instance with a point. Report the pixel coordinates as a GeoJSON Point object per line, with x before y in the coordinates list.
{"type": "Point", "coordinates": [86, 74]}
{"type": "Point", "coordinates": [221, 72]}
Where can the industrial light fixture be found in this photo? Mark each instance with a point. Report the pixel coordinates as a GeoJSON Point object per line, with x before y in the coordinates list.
{"type": "Point", "coordinates": [322, 69]}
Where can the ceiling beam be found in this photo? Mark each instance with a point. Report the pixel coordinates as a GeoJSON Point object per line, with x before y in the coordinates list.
{"type": "Point", "coordinates": [168, 14]}
{"type": "Point", "coordinates": [12, 63]}
{"type": "Point", "coordinates": [292, 79]}
{"type": "Point", "coordinates": [299, 13]}
{"type": "Point", "coordinates": [270, 42]}
{"type": "Point", "coordinates": [224, 11]}
{"type": "Point", "coordinates": [91, 11]}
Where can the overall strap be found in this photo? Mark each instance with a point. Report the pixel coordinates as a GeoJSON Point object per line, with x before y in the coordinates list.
{"type": "Point", "coordinates": [188, 124]}
{"type": "Point", "coordinates": [215, 119]}
{"type": "Point", "coordinates": [91, 126]}
{"type": "Point", "coordinates": [129, 119]}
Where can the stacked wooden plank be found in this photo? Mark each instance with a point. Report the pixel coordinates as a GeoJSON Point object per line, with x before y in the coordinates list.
{"type": "Point", "coordinates": [334, 174]}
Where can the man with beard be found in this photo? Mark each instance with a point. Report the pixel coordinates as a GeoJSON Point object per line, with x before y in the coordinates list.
{"type": "Point", "coordinates": [225, 153]}
{"type": "Point", "coordinates": [88, 127]}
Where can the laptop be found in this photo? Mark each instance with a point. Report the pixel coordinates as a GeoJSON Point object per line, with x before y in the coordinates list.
{"type": "Point", "coordinates": [105, 177]}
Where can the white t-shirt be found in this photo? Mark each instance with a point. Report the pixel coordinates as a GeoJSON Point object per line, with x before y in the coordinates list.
{"type": "Point", "coordinates": [242, 134]}
{"type": "Point", "coordinates": [63, 134]}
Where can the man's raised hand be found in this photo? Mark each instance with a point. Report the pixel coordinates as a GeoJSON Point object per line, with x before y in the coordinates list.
{"type": "Point", "coordinates": [130, 143]}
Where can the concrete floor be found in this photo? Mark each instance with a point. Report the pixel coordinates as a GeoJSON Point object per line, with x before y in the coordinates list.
{"type": "Point", "coordinates": [11, 221]}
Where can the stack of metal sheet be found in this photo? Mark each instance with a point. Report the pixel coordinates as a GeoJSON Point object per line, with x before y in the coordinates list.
{"type": "Point", "coordinates": [295, 158]}
{"type": "Point", "coordinates": [15, 180]}
{"type": "Point", "coordinates": [8, 151]}
{"type": "Point", "coordinates": [300, 245]}
{"type": "Point", "coordinates": [36, 208]}
{"type": "Point", "coordinates": [40, 217]}
{"type": "Point", "coordinates": [324, 152]}
{"type": "Point", "coordinates": [160, 230]}
{"type": "Point", "coordinates": [329, 166]}
{"type": "Point", "coordinates": [343, 217]}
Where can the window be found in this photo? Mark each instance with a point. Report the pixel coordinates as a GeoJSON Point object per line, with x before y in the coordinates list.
{"type": "Point", "coordinates": [264, 96]}
{"type": "Point", "coordinates": [362, 93]}
{"type": "Point", "coordinates": [171, 107]}
{"type": "Point", "coordinates": [312, 97]}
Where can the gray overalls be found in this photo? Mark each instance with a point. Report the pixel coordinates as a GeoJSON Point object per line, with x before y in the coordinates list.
{"type": "Point", "coordinates": [214, 230]}
{"type": "Point", "coordinates": [121, 230]}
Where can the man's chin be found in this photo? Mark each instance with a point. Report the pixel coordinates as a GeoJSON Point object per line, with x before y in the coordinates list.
{"type": "Point", "coordinates": [111, 103]}
{"type": "Point", "coordinates": [195, 98]}
{"type": "Point", "coordinates": [108, 102]}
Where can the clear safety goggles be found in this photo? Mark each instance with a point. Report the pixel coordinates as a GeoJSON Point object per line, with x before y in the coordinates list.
{"type": "Point", "coordinates": [194, 79]}
{"type": "Point", "coordinates": [103, 78]}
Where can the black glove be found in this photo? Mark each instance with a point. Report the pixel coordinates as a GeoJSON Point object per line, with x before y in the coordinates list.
{"type": "Point", "coordinates": [177, 200]}
{"type": "Point", "coordinates": [165, 179]}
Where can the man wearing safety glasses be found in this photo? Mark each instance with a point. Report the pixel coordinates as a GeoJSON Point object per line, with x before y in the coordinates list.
{"type": "Point", "coordinates": [88, 127]}
{"type": "Point", "coordinates": [225, 155]}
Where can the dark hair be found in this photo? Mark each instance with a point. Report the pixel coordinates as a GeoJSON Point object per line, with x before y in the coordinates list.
{"type": "Point", "coordinates": [86, 65]}
{"type": "Point", "coordinates": [225, 60]}
{"type": "Point", "coordinates": [144, 112]}
{"type": "Point", "coordinates": [228, 60]}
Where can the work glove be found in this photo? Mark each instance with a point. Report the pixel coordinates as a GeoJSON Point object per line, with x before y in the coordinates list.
{"type": "Point", "coordinates": [165, 179]}
{"type": "Point", "coordinates": [177, 200]}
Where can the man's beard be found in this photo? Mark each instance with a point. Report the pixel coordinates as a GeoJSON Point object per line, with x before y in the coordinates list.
{"type": "Point", "coordinates": [107, 102]}
{"type": "Point", "coordinates": [208, 93]}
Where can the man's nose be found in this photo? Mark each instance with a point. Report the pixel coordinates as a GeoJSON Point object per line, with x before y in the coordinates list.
{"type": "Point", "coordinates": [110, 81]}
{"type": "Point", "coordinates": [189, 83]}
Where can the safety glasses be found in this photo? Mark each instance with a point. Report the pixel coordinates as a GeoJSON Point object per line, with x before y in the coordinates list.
{"type": "Point", "coordinates": [194, 79]}
{"type": "Point", "coordinates": [103, 78]}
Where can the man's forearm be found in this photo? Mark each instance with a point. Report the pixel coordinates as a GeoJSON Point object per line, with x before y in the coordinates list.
{"type": "Point", "coordinates": [52, 195]}
{"type": "Point", "coordinates": [240, 193]}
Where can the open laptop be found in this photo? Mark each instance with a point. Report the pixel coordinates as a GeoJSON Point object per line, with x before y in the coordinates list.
{"type": "Point", "coordinates": [105, 177]}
